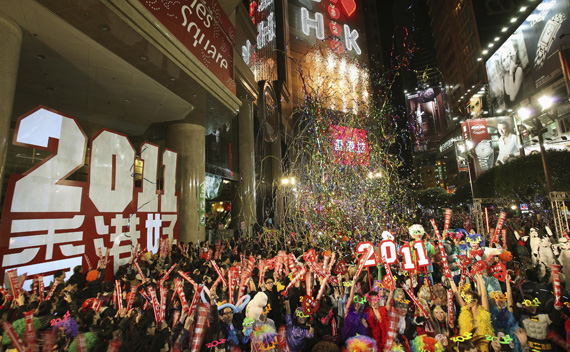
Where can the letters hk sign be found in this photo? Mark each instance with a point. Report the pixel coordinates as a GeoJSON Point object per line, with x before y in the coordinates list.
{"type": "Point", "coordinates": [50, 222]}
{"type": "Point", "coordinates": [332, 24]}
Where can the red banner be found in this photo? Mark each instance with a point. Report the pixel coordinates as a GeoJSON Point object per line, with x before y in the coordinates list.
{"type": "Point", "coordinates": [204, 29]}
{"type": "Point", "coordinates": [556, 284]}
{"type": "Point", "coordinates": [450, 312]}
{"type": "Point", "coordinates": [13, 336]}
{"type": "Point", "coordinates": [498, 228]}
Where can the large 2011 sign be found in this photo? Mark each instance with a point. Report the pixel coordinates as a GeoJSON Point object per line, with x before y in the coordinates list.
{"type": "Point", "coordinates": [388, 251]}
{"type": "Point", "coordinates": [51, 223]}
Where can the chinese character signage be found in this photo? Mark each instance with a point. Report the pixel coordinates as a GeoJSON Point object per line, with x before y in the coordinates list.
{"type": "Point", "coordinates": [529, 60]}
{"type": "Point", "coordinates": [204, 29]}
{"type": "Point", "coordinates": [50, 223]}
{"type": "Point", "coordinates": [350, 146]}
{"type": "Point", "coordinates": [262, 57]}
{"type": "Point", "coordinates": [490, 142]}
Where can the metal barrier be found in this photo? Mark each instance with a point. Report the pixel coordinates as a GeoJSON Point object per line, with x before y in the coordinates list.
{"type": "Point", "coordinates": [559, 202]}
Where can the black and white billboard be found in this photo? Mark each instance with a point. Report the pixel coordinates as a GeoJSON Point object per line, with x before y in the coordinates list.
{"type": "Point", "coordinates": [528, 60]}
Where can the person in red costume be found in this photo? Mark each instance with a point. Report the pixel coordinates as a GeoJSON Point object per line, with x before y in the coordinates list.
{"type": "Point", "coordinates": [377, 315]}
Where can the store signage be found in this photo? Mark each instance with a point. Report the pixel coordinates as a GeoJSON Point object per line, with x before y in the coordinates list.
{"type": "Point", "coordinates": [262, 57]}
{"type": "Point", "coordinates": [341, 36]}
{"type": "Point", "coordinates": [51, 223]}
{"type": "Point", "coordinates": [204, 29]}
{"type": "Point", "coordinates": [448, 144]}
{"type": "Point", "coordinates": [350, 146]}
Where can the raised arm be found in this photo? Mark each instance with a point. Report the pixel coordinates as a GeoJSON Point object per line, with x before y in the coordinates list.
{"type": "Point", "coordinates": [483, 292]}
{"type": "Point", "coordinates": [350, 298]}
{"type": "Point", "coordinates": [509, 293]}
{"type": "Point", "coordinates": [456, 293]}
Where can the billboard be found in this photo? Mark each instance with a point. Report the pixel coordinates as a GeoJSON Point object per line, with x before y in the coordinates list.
{"type": "Point", "coordinates": [528, 60]}
{"type": "Point", "coordinates": [490, 142]}
{"type": "Point", "coordinates": [427, 112]}
{"type": "Point", "coordinates": [51, 223]}
{"type": "Point", "coordinates": [350, 146]}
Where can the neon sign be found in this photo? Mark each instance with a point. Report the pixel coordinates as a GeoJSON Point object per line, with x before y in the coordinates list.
{"type": "Point", "coordinates": [342, 37]}
{"type": "Point", "coordinates": [262, 57]}
{"type": "Point", "coordinates": [350, 145]}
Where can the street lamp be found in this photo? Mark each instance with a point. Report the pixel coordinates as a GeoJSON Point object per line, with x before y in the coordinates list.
{"type": "Point", "coordinates": [538, 129]}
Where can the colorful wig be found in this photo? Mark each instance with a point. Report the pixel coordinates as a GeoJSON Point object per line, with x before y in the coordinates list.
{"type": "Point", "coordinates": [90, 340]}
{"type": "Point", "coordinates": [361, 343]}
{"type": "Point", "coordinates": [20, 328]}
{"type": "Point", "coordinates": [426, 343]}
{"type": "Point", "coordinates": [474, 238]}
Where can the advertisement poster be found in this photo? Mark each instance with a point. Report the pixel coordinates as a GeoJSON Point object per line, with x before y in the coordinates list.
{"type": "Point", "coordinates": [427, 111]}
{"type": "Point", "coordinates": [529, 60]}
{"type": "Point", "coordinates": [51, 223]}
{"type": "Point", "coordinates": [490, 142]}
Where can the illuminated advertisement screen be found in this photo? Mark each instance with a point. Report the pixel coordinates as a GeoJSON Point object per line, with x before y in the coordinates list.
{"type": "Point", "coordinates": [51, 223]}
{"type": "Point", "coordinates": [490, 142]}
{"type": "Point", "coordinates": [528, 60]}
{"type": "Point", "coordinates": [350, 146]}
{"type": "Point", "coordinates": [427, 112]}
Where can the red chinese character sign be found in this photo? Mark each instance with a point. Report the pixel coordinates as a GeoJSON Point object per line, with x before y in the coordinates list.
{"type": "Point", "coordinates": [50, 223]}
{"type": "Point", "coordinates": [350, 146]}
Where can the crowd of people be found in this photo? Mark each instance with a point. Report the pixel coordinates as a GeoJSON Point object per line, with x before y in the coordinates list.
{"type": "Point", "coordinates": [478, 293]}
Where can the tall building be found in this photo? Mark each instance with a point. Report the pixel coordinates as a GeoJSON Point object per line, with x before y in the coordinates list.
{"type": "Point", "coordinates": [121, 123]}
{"type": "Point", "coordinates": [466, 33]}
{"type": "Point", "coordinates": [125, 124]}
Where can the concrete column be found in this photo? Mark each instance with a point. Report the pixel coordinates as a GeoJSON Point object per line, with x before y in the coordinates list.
{"type": "Point", "coordinates": [189, 141]}
{"type": "Point", "coordinates": [10, 44]}
{"type": "Point", "coordinates": [247, 163]}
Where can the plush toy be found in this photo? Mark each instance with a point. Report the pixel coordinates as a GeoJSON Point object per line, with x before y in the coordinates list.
{"type": "Point", "coordinates": [256, 305]}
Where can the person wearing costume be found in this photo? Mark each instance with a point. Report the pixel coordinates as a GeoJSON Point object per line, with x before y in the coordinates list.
{"type": "Point", "coordinates": [377, 315]}
{"type": "Point", "coordinates": [417, 233]}
{"type": "Point", "coordinates": [536, 318]}
{"type": "Point", "coordinates": [440, 322]}
{"type": "Point", "coordinates": [355, 319]}
{"type": "Point", "coordinates": [298, 331]}
{"type": "Point", "coordinates": [474, 317]}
